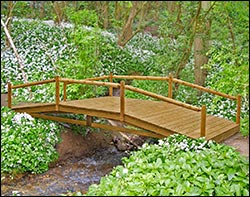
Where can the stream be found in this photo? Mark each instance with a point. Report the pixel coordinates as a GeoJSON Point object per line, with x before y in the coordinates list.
{"type": "Point", "coordinates": [71, 176]}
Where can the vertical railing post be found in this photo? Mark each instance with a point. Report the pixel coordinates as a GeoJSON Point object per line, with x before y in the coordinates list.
{"type": "Point", "coordinates": [9, 95]}
{"type": "Point", "coordinates": [203, 121]}
{"type": "Point", "coordinates": [170, 89]}
{"type": "Point", "coordinates": [64, 91]}
{"type": "Point", "coordinates": [89, 120]}
{"type": "Point", "coordinates": [57, 92]}
{"type": "Point", "coordinates": [238, 109]}
{"type": "Point", "coordinates": [110, 88]}
{"type": "Point", "coordinates": [122, 100]}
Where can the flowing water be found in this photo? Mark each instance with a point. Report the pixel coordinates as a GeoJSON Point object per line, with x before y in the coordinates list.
{"type": "Point", "coordinates": [71, 176]}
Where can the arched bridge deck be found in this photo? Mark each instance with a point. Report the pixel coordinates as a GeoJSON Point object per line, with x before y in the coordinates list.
{"type": "Point", "coordinates": [152, 118]}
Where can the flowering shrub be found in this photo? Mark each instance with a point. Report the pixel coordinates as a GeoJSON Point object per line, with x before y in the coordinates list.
{"type": "Point", "coordinates": [178, 166]}
{"type": "Point", "coordinates": [40, 46]}
{"type": "Point", "coordinates": [27, 144]}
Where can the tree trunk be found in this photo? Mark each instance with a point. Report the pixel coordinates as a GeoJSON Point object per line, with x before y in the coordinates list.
{"type": "Point", "coordinates": [8, 22]}
{"type": "Point", "coordinates": [201, 46]}
{"type": "Point", "coordinates": [106, 14]}
{"type": "Point", "coordinates": [200, 58]}
{"type": "Point", "coordinates": [171, 6]}
{"type": "Point", "coordinates": [117, 11]}
{"type": "Point", "coordinates": [189, 43]}
{"type": "Point", "coordinates": [58, 7]}
{"type": "Point", "coordinates": [127, 31]}
{"type": "Point", "coordinates": [42, 10]}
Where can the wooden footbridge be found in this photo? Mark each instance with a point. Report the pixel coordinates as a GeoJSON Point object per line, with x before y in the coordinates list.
{"type": "Point", "coordinates": [154, 118]}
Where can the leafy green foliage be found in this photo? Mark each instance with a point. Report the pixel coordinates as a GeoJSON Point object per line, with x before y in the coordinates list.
{"type": "Point", "coordinates": [178, 165]}
{"type": "Point", "coordinates": [21, 8]}
{"type": "Point", "coordinates": [176, 32]}
{"type": "Point", "coordinates": [82, 17]}
{"type": "Point", "coordinates": [27, 144]}
{"type": "Point", "coordinates": [223, 73]}
{"type": "Point", "coordinates": [158, 87]}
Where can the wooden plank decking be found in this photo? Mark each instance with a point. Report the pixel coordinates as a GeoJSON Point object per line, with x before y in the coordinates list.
{"type": "Point", "coordinates": [160, 117]}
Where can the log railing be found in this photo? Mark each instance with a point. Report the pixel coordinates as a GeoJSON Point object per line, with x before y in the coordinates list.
{"type": "Point", "coordinates": [123, 87]}
{"type": "Point", "coordinates": [172, 80]}
{"type": "Point", "coordinates": [10, 87]}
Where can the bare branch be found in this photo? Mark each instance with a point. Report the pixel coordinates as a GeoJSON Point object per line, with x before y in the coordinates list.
{"type": "Point", "coordinates": [15, 51]}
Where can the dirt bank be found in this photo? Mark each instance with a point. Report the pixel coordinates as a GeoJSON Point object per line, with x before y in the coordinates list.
{"type": "Point", "coordinates": [74, 145]}
{"type": "Point", "coordinates": [239, 142]}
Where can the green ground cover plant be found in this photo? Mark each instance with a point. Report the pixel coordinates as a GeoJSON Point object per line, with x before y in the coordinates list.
{"type": "Point", "coordinates": [178, 166]}
{"type": "Point", "coordinates": [27, 144]}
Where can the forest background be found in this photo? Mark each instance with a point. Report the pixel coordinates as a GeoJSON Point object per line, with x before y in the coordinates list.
{"type": "Point", "coordinates": [202, 42]}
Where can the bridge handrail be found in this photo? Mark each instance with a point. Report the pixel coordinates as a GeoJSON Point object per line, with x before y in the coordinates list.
{"type": "Point", "coordinates": [192, 85]}
{"type": "Point", "coordinates": [138, 77]}
{"type": "Point", "coordinates": [175, 80]}
{"type": "Point", "coordinates": [90, 82]}
{"type": "Point", "coordinates": [10, 87]}
{"type": "Point", "coordinates": [32, 83]}
{"type": "Point", "coordinates": [91, 79]}
{"type": "Point", "coordinates": [171, 80]}
{"type": "Point", "coordinates": [160, 97]}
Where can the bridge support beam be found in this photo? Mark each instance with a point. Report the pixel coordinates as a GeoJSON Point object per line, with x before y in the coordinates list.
{"type": "Point", "coordinates": [100, 126]}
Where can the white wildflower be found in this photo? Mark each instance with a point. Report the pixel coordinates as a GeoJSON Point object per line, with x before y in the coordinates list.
{"type": "Point", "coordinates": [161, 142]}
{"type": "Point", "coordinates": [125, 171]}
{"type": "Point", "coordinates": [17, 118]}
{"type": "Point", "coordinates": [144, 145]}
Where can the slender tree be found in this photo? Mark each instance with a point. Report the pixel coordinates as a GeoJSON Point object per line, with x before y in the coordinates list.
{"type": "Point", "coordinates": [201, 44]}
{"type": "Point", "coordinates": [11, 5]}
{"type": "Point", "coordinates": [127, 32]}
{"type": "Point", "coordinates": [19, 59]}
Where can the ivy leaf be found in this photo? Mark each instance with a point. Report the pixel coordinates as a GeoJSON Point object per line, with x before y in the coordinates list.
{"type": "Point", "coordinates": [231, 174]}
{"type": "Point", "coordinates": [235, 188]}
{"type": "Point", "coordinates": [245, 192]}
{"type": "Point", "coordinates": [179, 190]}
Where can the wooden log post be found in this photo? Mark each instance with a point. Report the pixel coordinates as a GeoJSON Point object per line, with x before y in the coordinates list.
{"type": "Point", "coordinates": [57, 92]}
{"type": "Point", "coordinates": [9, 95]}
{"type": "Point", "coordinates": [89, 120]}
{"type": "Point", "coordinates": [64, 91]}
{"type": "Point", "coordinates": [203, 121]}
{"type": "Point", "coordinates": [122, 100]}
{"type": "Point", "coordinates": [170, 87]}
{"type": "Point", "coordinates": [238, 109]}
{"type": "Point", "coordinates": [110, 88]}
